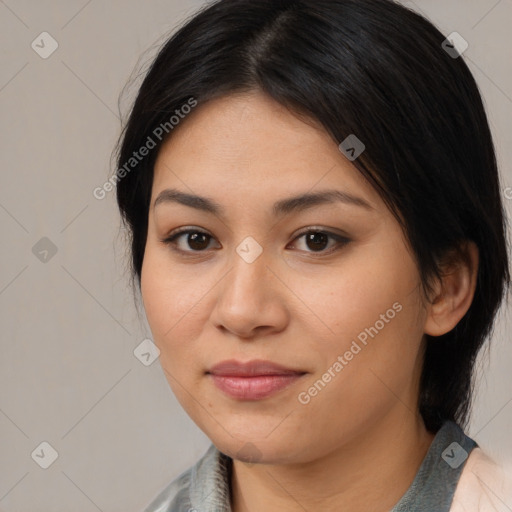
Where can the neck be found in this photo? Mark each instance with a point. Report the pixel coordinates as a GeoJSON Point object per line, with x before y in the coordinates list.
{"type": "Point", "coordinates": [371, 472]}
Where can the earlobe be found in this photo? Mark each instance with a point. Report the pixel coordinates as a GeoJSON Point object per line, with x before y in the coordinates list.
{"type": "Point", "coordinates": [454, 293]}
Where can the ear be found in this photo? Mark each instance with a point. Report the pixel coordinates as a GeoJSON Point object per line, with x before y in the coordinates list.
{"type": "Point", "coordinates": [454, 293]}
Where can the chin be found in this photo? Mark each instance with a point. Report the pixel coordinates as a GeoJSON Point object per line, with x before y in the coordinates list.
{"type": "Point", "coordinates": [257, 449]}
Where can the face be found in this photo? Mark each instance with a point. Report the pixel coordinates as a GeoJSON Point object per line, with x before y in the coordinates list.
{"type": "Point", "coordinates": [324, 291]}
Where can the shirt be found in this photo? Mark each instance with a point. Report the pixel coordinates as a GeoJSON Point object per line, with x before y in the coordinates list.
{"type": "Point", "coordinates": [440, 483]}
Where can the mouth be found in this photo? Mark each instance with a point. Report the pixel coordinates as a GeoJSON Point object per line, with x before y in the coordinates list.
{"type": "Point", "coordinates": [254, 380]}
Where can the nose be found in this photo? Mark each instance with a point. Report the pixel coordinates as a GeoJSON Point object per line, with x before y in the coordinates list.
{"type": "Point", "coordinates": [251, 300]}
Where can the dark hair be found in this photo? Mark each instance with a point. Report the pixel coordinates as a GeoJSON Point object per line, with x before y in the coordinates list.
{"type": "Point", "coordinates": [375, 69]}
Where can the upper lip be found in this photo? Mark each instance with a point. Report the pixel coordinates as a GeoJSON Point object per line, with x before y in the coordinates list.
{"type": "Point", "coordinates": [251, 368]}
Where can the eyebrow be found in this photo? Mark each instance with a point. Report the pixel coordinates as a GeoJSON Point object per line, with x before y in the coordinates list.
{"type": "Point", "coordinates": [282, 207]}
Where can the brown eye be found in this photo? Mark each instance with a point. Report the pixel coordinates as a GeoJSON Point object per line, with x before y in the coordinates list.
{"type": "Point", "coordinates": [196, 241]}
{"type": "Point", "coordinates": [317, 241]}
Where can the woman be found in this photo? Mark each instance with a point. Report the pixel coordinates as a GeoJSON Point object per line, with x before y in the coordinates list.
{"type": "Point", "coordinates": [317, 232]}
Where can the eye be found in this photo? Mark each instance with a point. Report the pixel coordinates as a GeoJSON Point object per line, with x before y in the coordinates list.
{"type": "Point", "coordinates": [316, 240]}
{"type": "Point", "coordinates": [197, 240]}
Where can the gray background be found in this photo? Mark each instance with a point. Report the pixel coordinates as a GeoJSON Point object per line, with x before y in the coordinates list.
{"type": "Point", "coordinates": [68, 374]}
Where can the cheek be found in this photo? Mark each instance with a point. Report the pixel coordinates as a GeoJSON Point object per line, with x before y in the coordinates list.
{"type": "Point", "coordinates": [353, 296]}
{"type": "Point", "coordinates": [164, 299]}
{"type": "Point", "coordinates": [374, 319]}
{"type": "Point", "coordinates": [175, 306]}
{"type": "Point", "coordinates": [155, 299]}
{"type": "Point", "coordinates": [173, 320]}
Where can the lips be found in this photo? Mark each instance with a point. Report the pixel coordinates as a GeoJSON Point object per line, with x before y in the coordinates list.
{"type": "Point", "coordinates": [253, 380]}
{"type": "Point", "coordinates": [253, 368]}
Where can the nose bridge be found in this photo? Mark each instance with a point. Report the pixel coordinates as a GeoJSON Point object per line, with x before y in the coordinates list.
{"type": "Point", "coordinates": [248, 276]}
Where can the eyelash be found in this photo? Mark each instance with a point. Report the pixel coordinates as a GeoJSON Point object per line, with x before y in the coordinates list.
{"type": "Point", "coordinates": [171, 241]}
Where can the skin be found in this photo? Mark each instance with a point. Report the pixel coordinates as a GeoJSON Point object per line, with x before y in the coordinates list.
{"type": "Point", "coordinates": [360, 440]}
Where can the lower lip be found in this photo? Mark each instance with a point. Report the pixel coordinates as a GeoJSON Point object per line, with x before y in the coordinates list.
{"type": "Point", "coordinates": [253, 388]}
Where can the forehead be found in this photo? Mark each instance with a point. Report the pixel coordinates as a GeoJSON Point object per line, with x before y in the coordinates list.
{"type": "Point", "coordinates": [251, 142]}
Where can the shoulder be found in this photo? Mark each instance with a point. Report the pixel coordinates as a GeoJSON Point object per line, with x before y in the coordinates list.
{"type": "Point", "coordinates": [203, 486]}
{"type": "Point", "coordinates": [483, 486]}
{"type": "Point", "coordinates": [174, 496]}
